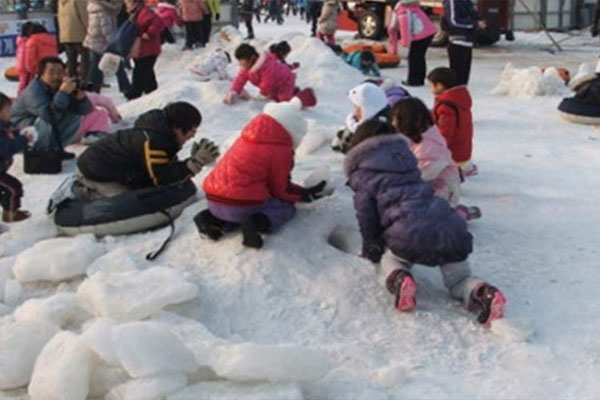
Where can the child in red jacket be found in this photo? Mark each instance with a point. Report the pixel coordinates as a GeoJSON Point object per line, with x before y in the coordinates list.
{"type": "Point", "coordinates": [40, 44]}
{"type": "Point", "coordinates": [452, 115]}
{"type": "Point", "coordinates": [24, 76]}
{"type": "Point", "coordinates": [273, 78]}
{"type": "Point", "coordinates": [250, 185]}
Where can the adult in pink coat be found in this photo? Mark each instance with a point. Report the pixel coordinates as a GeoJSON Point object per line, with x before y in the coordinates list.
{"type": "Point", "coordinates": [416, 32]}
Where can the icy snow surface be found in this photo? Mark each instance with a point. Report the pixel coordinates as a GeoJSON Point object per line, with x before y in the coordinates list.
{"type": "Point", "coordinates": [539, 191]}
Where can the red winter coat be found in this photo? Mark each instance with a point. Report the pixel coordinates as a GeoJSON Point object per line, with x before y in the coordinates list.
{"type": "Point", "coordinates": [168, 14]}
{"type": "Point", "coordinates": [274, 79]}
{"type": "Point", "coordinates": [150, 24]}
{"type": "Point", "coordinates": [38, 46]}
{"type": "Point", "coordinates": [256, 168]}
{"type": "Point", "coordinates": [192, 10]}
{"type": "Point", "coordinates": [452, 115]}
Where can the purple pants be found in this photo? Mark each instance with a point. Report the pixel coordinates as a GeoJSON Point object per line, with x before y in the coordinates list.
{"type": "Point", "coordinates": [278, 211]}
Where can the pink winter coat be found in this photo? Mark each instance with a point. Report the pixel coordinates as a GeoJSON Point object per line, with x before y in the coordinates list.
{"type": "Point", "coordinates": [103, 102]}
{"type": "Point", "coordinates": [275, 80]}
{"type": "Point", "coordinates": [412, 23]}
{"type": "Point", "coordinates": [168, 13]}
{"type": "Point", "coordinates": [192, 10]}
{"type": "Point", "coordinates": [436, 165]}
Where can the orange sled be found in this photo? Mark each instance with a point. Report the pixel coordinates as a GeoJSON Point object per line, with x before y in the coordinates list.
{"type": "Point", "coordinates": [384, 60]}
{"type": "Point", "coordinates": [11, 74]}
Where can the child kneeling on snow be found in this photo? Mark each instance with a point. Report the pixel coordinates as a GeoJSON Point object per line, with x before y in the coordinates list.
{"type": "Point", "coordinates": [250, 185]}
{"type": "Point", "coordinates": [370, 101]}
{"type": "Point", "coordinates": [412, 118]}
{"type": "Point", "coordinates": [213, 64]}
{"type": "Point", "coordinates": [364, 61]}
{"type": "Point", "coordinates": [452, 115]}
{"type": "Point", "coordinates": [396, 209]}
{"type": "Point", "coordinates": [273, 78]}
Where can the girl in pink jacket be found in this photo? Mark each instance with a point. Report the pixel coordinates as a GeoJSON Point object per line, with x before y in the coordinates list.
{"type": "Point", "coordinates": [273, 78]}
{"type": "Point", "coordinates": [416, 32]}
{"type": "Point", "coordinates": [192, 12]}
{"type": "Point", "coordinates": [412, 118]}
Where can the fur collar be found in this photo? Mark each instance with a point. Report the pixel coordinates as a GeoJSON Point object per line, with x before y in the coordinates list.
{"type": "Point", "coordinates": [358, 153]}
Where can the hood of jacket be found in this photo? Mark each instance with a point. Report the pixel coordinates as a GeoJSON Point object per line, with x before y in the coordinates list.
{"type": "Point", "coordinates": [382, 153]}
{"type": "Point", "coordinates": [264, 129]}
{"type": "Point", "coordinates": [458, 95]}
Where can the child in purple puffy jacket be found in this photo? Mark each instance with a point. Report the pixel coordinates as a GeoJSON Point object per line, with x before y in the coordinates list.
{"type": "Point", "coordinates": [396, 209]}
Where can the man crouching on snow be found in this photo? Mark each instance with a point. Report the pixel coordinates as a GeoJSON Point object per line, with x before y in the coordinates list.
{"type": "Point", "coordinates": [250, 185]}
{"type": "Point", "coordinates": [141, 157]}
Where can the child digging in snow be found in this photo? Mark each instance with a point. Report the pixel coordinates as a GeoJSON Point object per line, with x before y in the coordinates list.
{"type": "Point", "coordinates": [396, 209]}
{"type": "Point", "coordinates": [250, 185]}
{"type": "Point", "coordinates": [282, 50]}
{"type": "Point", "coordinates": [274, 79]}
{"type": "Point", "coordinates": [452, 115]}
{"type": "Point", "coordinates": [412, 118]}
{"type": "Point", "coordinates": [213, 64]}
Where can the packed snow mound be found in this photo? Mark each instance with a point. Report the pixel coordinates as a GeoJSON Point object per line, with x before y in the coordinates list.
{"type": "Point", "coordinates": [258, 362]}
{"type": "Point", "coordinates": [20, 344]}
{"type": "Point", "coordinates": [134, 295]}
{"type": "Point", "coordinates": [148, 348]}
{"type": "Point", "coordinates": [64, 258]}
{"type": "Point", "coordinates": [585, 72]}
{"type": "Point", "coordinates": [61, 309]}
{"type": "Point", "coordinates": [98, 337]}
{"type": "Point", "coordinates": [115, 261]}
{"type": "Point", "coordinates": [6, 264]}
{"type": "Point", "coordinates": [239, 391]}
{"type": "Point", "coordinates": [62, 370]}
{"type": "Point", "coordinates": [529, 82]}
{"type": "Point", "coordinates": [12, 292]}
{"type": "Point", "coordinates": [151, 388]}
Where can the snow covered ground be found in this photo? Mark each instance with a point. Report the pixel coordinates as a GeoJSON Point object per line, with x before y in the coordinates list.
{"type": "Point", "coordinates": [300, 319]}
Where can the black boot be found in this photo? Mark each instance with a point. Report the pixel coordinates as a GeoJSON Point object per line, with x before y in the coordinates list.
{"type": "Point", "coordinates": [209, 225]}
{"type": "Point", "coordinates": [252, 228]}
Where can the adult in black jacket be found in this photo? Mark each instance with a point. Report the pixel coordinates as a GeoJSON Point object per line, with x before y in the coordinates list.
{"type": "Point", "coordinates": [146, 155]}
{"type": "Point", "coordinates": [461, 21]}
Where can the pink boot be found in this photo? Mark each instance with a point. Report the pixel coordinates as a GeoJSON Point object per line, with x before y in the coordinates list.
{"type": "Point", "coordinates": [488, 302]}
{"type": "Point", "coordinates": [401, 284]}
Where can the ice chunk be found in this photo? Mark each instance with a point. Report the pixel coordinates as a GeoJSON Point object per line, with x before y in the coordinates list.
{"type": "Point", "coordinates": [60, 309]}
{"type": "Point", "coordinates": [116, 261]}
{"type": "Point", "coordinates": [512, 330]}
{"type": "Point", "coordinates": [133, 295]}
{"type": "Point", "coordinates": [62, 370]}
{"type": "Point", "coordinates": [151, 388]}
{"type": "Point", "coordinates": [239, 391]}
{"type": "Point", "coordinates": [148, 348]}
{"type": "Point", "coordinates": [6, 264]}
{"type": "Point", "coordinates": [12, 292]}
{"type": "Point", "coordinates": [105, 377]}
{"type": "Point", "coordinates": [283, 362]}
{"type": "Point", "coordinates": [20, 344]}
{"type": "Point", "coordinates": [57, 259]}
{"type": "Point", "coordinates": [98, 337]}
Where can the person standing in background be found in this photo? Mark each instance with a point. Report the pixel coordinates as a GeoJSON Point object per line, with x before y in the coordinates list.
{"type": "Point", "coordinates": [314, 11]}
{"type": "Point", "coordinates": [214, 10]}
{"type": "Point", "coordinates": [595, 28]}
{"type": "Point", "coordinates": [72, 22]}
{"type": "Point", "coordinates": [461, 22]}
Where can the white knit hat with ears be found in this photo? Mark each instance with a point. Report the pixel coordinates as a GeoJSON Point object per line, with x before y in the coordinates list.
{"type": "Point", "coordinates": [369, 98]}
{"type": "Point", "coordinates": [289, 115]}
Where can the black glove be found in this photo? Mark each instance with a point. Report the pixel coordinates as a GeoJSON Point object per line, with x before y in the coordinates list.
{"type": "Point", "coordinates": [217, 16]}
{"type": "Point", "coordinates": [372, 251]}
{"type": "Point", "coordinates": [594, 29]}
{"type": "Point", "coordinates": [313, 193]}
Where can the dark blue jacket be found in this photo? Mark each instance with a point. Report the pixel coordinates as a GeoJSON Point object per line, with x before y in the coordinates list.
{"type": "Point", "coordinates": [9, 146]}
{"type": "Point", "coordinates": [460, 21]}
{"type": "Point", "coordinates": [397, 209]}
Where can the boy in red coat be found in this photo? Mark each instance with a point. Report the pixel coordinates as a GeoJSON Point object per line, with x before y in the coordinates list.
{"type": "Point", "coordinates": [452, 115]}
{"type": "Point", "coordinates": [250, 185]}
{"type": "Point", "coordinates": [273, 78]}
{"type": "Point", "coordinates": [40, 44]}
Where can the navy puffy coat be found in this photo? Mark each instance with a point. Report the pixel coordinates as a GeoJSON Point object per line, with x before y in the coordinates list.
{"type": "Point", "coordinates": [397, 209]}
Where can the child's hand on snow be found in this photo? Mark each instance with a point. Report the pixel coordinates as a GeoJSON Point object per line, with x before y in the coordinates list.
{"type": "Point", "coordinates": [229, 98]}
{"type": "Point", "coordinates": [295, 65]}
{"type": "Point", "coordinates": [245, 95]}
